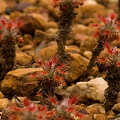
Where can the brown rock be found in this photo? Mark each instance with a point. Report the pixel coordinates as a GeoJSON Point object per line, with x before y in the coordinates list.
{"type": "Point", "coordinates": [78, 28]}
{"type": "Point", "coordinates": [27, 40]}
{"type": "Point", "coordinates": [44, 3]}
{"type": "Point", "coordinates": [89, 10]}
{"type": "Point", "coordinates": [20, 98]}
{"type": "Point", "coordinates": [26, 47]}
{"type": "Point", "coordinates": [40, 19]}
{"type": "Point", "coordinates": [87, 54]}
{"type": "Point", "coordinates": [52, 25]}
{"type": "Point", "coordinates": [110, 114]}
{"type": "Point", "coordinates": [3, 6]}
{"type": "Point", "coordinates": [23, 58]}
{"type": "Point", "coordinates": [116, 107]}
{"type": "Point", "coordinates": [15, 14]}
{"type": "Point", "coordinates": [78, 38]}
{"type": "Point", "coordinates": [54, 12]}
{"type": "Point", "coordinates": [47, 53]}
{"type": "Point", "coordinates": [77, 66]}
{"type": "Point", "coordinates": [30, 9]}
{"type": "Point", "coordinates": [1, 95]}
{"type": "Point", "coordinates": [96, 108]}
{"type": "Point", "coordinates": [100, 117]}
{"type": "Point", "coordinates": [104, 2]}
{"type": "Point", "coordinates": [110, 117]}
{"type": "Point", "coordinates": [87, 117]}
{"type": "Point", "coordinates": [30, 1]}
{"type": "Point", "coordinates": [18, 82]}
{"type": "Point", "coordinates": [51, 31]}
{"type": "Point", "coordinates": [40, 35]}
{"type": "Point", "coordinates": [3, 102]}
{"type": "Point", "coordinates": [87, 44]}
{"type": "Point", "coordinates": [21, 6]}
{"type": "Point", "coordinates": [32, 21]}
{"type": "Point", "coordinates": [93, 111]}
{"type": "Point", "coordinates": [72, 49]}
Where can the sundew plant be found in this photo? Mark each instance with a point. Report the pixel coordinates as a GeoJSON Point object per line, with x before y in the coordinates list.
{"type": "Point", "coordinates": [9, 36]}
{"type": "Point", "coordinates": [106, 31]}
{"type": "Point", "coordinates": [111, 65]}
{"type": "Point", "coordinates": [66, 15]}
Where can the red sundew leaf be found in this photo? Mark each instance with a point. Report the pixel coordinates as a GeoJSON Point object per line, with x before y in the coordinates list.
{"type": "Point", "coordinates": [96, 34]}
{"type": "Point", "coordinates": [33, 75]}
{"type": "Point", "coordinates": [50, 63]}
{"type": "Point", "coordinates": [21, 40]}
{"type": "Point", "coordinates": [112, 16]}
{"type": "Point", "coordinates": [50, 113]}
{"type": "Point", "coordinates": [110, 52]}
{"type": "Point", "coordinates": [61, 66]}
{"type": "Point", "coordinates": [0, 27]}
{"type": "Point", "coordinates": [26, 102]}
{"type": "Point", "coordinates": [107, 32]}
{"type": "Point", "coordinates": [15, 108]}
{"type": "Point", "coordinates": [31, 108]}
{"type": "Point", "coordinates": [101, 18]}
{"type": "Point", "coordinates": [40, 117]}
{"type": "Point", "coordinates": [39, 62]}
{"type": "Point", "coordinates": [39, 94]}
{"type": "Point", "coordinates": [118, 64]}
{"type": "Point", "coordinates": [109, 49]}
{"type": "Point", "coordinates": [118, 22]}
{"type": "Point", "coordinates": [107, 45]}
{"type": "Point", "coordinates": [63, 72]}
{"type": "Point", "coordinates": [53, 100]}
{"type": "Point", "coordinates": [43, 108]}
{"type": "Point", "coordinates": [3, 22]}
{"type": "Point", "coordinates": [9, 25]}
{"type": "Point", "coordinates": [72, 101]}
{"type": "Point", "coordinates": [102, 60]}
{"type": "Point", "coordinates": [61, 119]}
{"type": "Point", "coordinates": [55, 1]}
{"type": "Point", "coordinates": [44, 73]}
{"type": "Point", "coordinates": [71, 109]}
{"type": "Point", "coordinates": [94, 25]}
{"type": "Point", "coordinates": [54, 60]}
{"type": "Point", "coordinates": [58, 78]}
{"type": "Point", "coordinates": [79, 115]}
{"type": "Point", "coordinates": [39, 107]}
{"type": "Point", "coordinates": [13, 117]}
{"type": "Point", "coordinates": [19, 24]}
{"type": "Point", "coordinates": [117, 26]}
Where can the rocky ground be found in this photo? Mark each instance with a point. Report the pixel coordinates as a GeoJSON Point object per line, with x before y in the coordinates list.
{"type": "Point", "coordinates": [39, 33]}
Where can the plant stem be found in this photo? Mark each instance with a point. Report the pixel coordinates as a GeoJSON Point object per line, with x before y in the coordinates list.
{"type": "Point", "coordinates": [111, 93]}
{"type": "Point", "coordinates": [96, 51]}
{"type": "Point", "coordinates": [7, 58]}
{"type": "Point", "coordinates": [65, 22]}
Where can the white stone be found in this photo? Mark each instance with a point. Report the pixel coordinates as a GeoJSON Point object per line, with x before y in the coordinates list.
{"type": "Point", "coordinates": [93, 89]}
{"type": "Point", "coordinates": [90, 2]}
